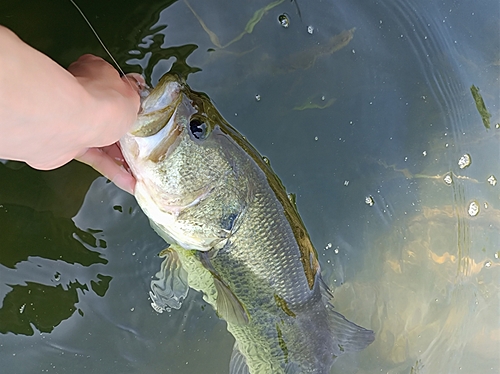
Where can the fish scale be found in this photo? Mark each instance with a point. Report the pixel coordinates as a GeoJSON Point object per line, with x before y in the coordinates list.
{"type": "Point", "coordinates": [279, 262]}
{"type": "Point", "coordinates": [234, 236]}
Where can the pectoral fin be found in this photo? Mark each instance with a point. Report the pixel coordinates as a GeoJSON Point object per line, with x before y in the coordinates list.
{"type": "Point", "coordinates": [226, 303]}
{"type": "Point", "coordinates": [228, 306]}
{"type": "Point", "coordinates": [171, 287]}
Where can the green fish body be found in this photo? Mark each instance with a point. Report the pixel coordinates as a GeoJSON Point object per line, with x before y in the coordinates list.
{"type": "Point", "coordinates": [234, 235]}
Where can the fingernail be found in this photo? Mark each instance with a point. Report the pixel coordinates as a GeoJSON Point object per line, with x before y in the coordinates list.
{"type": "Point", "coordinates": [138, 80]}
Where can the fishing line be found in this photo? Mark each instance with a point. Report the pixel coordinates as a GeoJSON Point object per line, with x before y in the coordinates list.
{"type": "Point", "coordinates": [100, 41]}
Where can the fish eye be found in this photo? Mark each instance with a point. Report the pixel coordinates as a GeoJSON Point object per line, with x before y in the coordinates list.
{"type": "Point", "coordinates": [198, 129]}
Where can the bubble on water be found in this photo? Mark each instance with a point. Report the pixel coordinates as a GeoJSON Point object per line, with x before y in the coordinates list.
{"type": "Point", "coordinates": [473, 209]}
{"type": "Point", "coordinates": [310, 29]}
{"type": "Point", "coordinates": [159, 309]}
{"type": "Point", "coordinates": [448, 179]}
{"type": "Point", "coordinates": [464, 161]}
{"type": "Point", "coordinates": [369, 201]}
{"type": "Point", "coordinates": [257, 97]}
{"type": "Point", "coordinates": [336, 250]}
{"type": "Point", "coordinates": [293, 198]}
{"type": "Point", "coordinates": [316, 138]}
{"type": "Point", "coordinates": [492, 180]}
{"type": "Point", "coordinates": [284, 20]}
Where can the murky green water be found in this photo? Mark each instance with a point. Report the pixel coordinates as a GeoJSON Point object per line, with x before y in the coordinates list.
{"type": "Point", "coordinates": [381, 118]}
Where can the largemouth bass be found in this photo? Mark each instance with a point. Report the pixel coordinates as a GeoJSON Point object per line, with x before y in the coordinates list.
{"type": "Point", "coordinates": [234, 235]}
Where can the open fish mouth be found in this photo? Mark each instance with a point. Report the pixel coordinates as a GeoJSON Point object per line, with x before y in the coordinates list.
{"type": "Point", "coordinates": [158, 143]}
{"type": "Point", "coordinates": [157, 107]}
{"type": "Point", "coordinates": [158, 127]}
{"type": "Point", "coordinates": [164, 141]}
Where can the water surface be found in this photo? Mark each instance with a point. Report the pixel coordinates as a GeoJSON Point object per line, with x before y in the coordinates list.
{"type": "Point", "coordinates": [368, 132]}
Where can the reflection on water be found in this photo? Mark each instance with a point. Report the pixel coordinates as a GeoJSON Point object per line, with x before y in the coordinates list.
{"type": "Point", "coordinates": [434, 295]}
{"type": "Point", "coordinates": [406, 236]}
{"type": "Point", "coordinates": [39, 241]}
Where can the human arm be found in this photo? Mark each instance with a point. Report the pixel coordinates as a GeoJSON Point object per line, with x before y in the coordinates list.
{"type": "Point", "coordinates": [49, 115]}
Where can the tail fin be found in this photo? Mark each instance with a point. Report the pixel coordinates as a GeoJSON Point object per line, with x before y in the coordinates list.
{"type": "Point", "coordinates": [350, 337]}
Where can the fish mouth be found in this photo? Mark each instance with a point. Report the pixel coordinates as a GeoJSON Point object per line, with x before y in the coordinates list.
{"type": "Point", "coordinates": [158, 127]}
{"type": "Point", "coordinates": [157, 107]}
{"type": "Point", "coordinates": [165, 141]}
{"type": "Point", "coordinates": [153, 147]}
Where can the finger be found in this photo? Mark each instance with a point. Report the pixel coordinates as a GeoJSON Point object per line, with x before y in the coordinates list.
{"type": "Point", "coordinates": [136, 81]}
{"type": "Point", "coordinates": [86, 64]}
{"type": "Point", "coordinates": [108, 167]}
{"type": "Point", "coordinates": [93, 71]}
{"type": "Point", "coordinates": [115, 152]}
{"type": "Point", "coordinates": [52, 162]}
{"type": "Point", "coordinates": [89, 57]}
{"type": "Point", "coordinates": [91, 66]}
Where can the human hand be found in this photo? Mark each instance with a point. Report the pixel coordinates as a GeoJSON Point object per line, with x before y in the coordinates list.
{"type": "Point", "coordinates": [50, 115]}
{"type": "Point", "coordinates": [98, 77]}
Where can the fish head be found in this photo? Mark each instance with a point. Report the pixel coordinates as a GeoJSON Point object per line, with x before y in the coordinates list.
{"type": "Point", "coordinates": [188, 170]}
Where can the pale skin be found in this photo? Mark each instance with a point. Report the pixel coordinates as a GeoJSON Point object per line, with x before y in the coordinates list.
{"type": "Point", "coordinates": [50, 115]}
